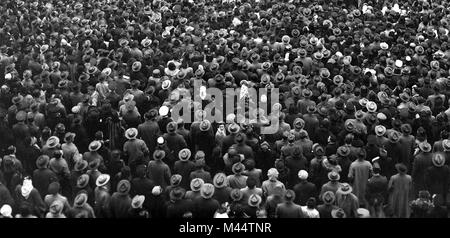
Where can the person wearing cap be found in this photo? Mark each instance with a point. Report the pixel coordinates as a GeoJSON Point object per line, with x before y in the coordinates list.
{"type": "Point", "coordinates": [317, 171]}
{"type": "Point", "coordinates": [360, 171]}
{"type": "Point", "coordinates": [436, 176]}
{"type": "Point", "coordinates": [400, 187]}
{"type": "Point", "coordinates": [407, 142]}
{"type": "Point", "coordinates": [422, 160]}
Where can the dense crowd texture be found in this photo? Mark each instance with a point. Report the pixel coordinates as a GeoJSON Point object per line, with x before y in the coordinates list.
{"type": "Point", "coordinates": [88, 87]}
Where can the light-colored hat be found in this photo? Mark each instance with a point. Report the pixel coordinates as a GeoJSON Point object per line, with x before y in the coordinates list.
{"type": "Point", "coordinates": [220, 180]}
{"type": "Point", "coordinates": [438, 159]}
{"type": "Point", "coordinates": [302, 174]}
{"type": "Point", "coordinates": [196, 184]}
{"type": "Point", "coordinates": [95, 145]}
{"type": "Point", "coordinates": [166, 84]}
{"type": "Point", "coordinates": [102, 180]}
{"type": "Point", "coordinates": [272, 173]}
{"type": "Point", "coordinates": [131, 133]}
{"type": "Point", "coordinates": [380, 130]}
{"type": "Point", "coordinates": [184, 154]}
{"type": "Point", "coordinates": [371, 106]}
{"type": "Point", "coordinates": [157, 190]}
{"type": "Point", "coordinates": [52, 142]}
{"type": "Point", "coordinates": [254, 200]}
{"type": "Point", "coordinates": [345, 188]}
{"type": "Point", "coordinates": [6, 211]}
{"type": "Point", "coordinates": [163, 111]}
{"type": "Point", "coordinates": [207, 191]}
{"type": "Point", "coordinates": [137, 201]}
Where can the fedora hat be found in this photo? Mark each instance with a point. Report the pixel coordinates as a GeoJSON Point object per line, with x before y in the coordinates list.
{"type": "Point", "coordinates": [394, 136]}
{"type": "Point", "coordinates": [80, 165]}
{"type": "Point", "coordinates": [123, 187]}
{"type": "Point", "coordinates": [238, 168]}
{"type": "Point", "coordinates": [338, 213]}
{"type": "Point", "coordinates": [328, 197]}
{"type": "Point", "coordinates": [254, 200]}
{"type": "Point", "coordinates": [299, 123]}
{"type": "Point", "coordinates": [220, 180]}
{"type": "Point", "coordinates": [175, 179]}
{"type": "Point", "coordinates": [94, 145]}
{"type": "Point", "coordinates": [343, 151]}
{"type": "Point", "coordinates": [102, 180]}
{"type": "Point", "coordinates": [196, 184]}
{"type": "Point", "coordinates": [80, 200]}
{"type": "Point", "coordinates": [406, 129]}
{"type": "Point", "coordinates": [131, 133]}
{"type": "Point", "coordinates": [234, 128]}
{"type": "Point", "coordinates": [371, 106]}
{"type": "Point", "coordinates": [52, 142]}
{"type": "Point", "coordinates": [345, 188]}
{"type": "Point", "coordinates": [404, 97]}
{"type": "Point", "coordinates": [137, 201]}
{"type": "Point", "coordinates": [380, 130]}
{"type": "Point", "coordinates": [177, 194]}
{"type": "Point", "coordinates": [438, 159]}
{"type": "Point", "coordinates": [82, 181]}
{"type": "Point", "coordinates": [318, 150]}
{"type": "Point", "coordinates": [236, 195]}
{"type": "Point", "coordinates": [425, 146]}
{"type": "Point", "coordinates": [400, 167]}
{"type": "Point", "coordinates": [184, 154]}
{"type": "Point", "coordinates": [349, 125]}
{"type": "Point", "coordinates": [42, 161]}
{"type": "Point", "coordinates": [205, 125]}
{"type": "Point", "coordinates": [338, 80]}
{"type": "Point", "coordinates": [166, 84]}
{"type": "Point", "coordinates": [334, 176]}
{"type": "Point", "coordinates": [446, 144]}
{"type": "Point", "coordinates": [207, 191]}
{"type": "Point", "coordinates": [159, 154]}
{"type": "Point", "coordinates": [307, 93]}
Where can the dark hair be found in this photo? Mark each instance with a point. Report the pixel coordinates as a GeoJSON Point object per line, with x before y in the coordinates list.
{"type": "Point", "coordinates": [251, 182]}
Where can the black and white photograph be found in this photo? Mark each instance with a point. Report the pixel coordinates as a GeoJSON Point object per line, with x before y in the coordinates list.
{"type": "Point", "coordinates": [191, 110]}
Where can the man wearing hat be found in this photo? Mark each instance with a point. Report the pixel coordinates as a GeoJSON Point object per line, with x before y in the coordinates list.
{"type": "Point", "coordinates": [102, 196]}
{"type": "Point", "coordinates": [400, 187]}
{"type": "Point", "coordinates": [43, 176]}
{"type": "Point", "coordinates": [346, 200]}
{"type": "Point", "coordinates": [177, 207]}
{"type": "Point", "coordinates": [332, 185]}
{"type": "Point", "coordinates": [81, 208]}
{"type": "Point", "coordinates": [158, 171]}
{"type": "Point", "coordinates": [436, 177]}
{"type": "Point", "coordinates": [175, 142]}
{"type": "Point", "coordinates": [325, 209]}
{"type": "Point", "coordinates": [184, 166]}
{"type": "Point", "coordinates": [205, 206]}
{"type": "Point", "coordinates": [136, 149]}
{"type": "Point", "coordinates": [149, 130]}
{"type": "Point", "coordinates": [54, 195]}
{"type": "Point", "coordinates": [121, 201]}
{"type": "Point", "coordinates": [27, 194]}
{"type": "Point", "coordinates": [422, 161]}
{"type": "Point", "coordinates": [360, 171]}
{"type": "Point", "coordinates": [289, 209]}
{"type": "Point", "coordinates": [237, 179]}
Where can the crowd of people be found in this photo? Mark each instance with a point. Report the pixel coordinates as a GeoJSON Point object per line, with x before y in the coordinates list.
{"type": "Point", "coordinates": [88, 89]}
